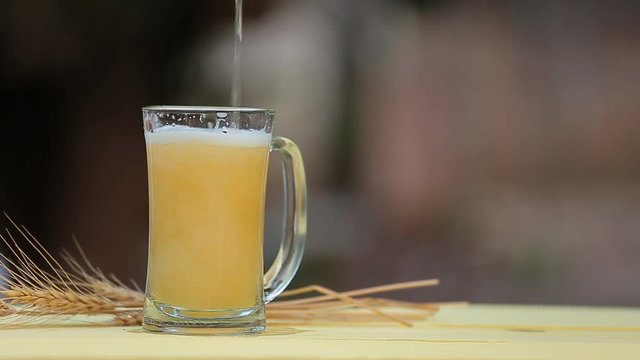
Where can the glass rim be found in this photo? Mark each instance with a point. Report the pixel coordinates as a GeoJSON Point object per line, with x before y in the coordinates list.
{"type": "Point", "coordinates": [206, 109]}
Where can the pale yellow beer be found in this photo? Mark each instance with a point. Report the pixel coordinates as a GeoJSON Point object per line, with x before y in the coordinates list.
{"type": "Point", "coordinates": [206, 198]}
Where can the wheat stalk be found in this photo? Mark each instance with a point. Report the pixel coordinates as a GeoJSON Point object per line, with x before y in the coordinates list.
{"type": "Point", "coordinates": [36, 295]}
{"type": "Point", "coordinates": [51, 300]}
{"type": "Point", "coordinates": [5, 309]}
{"type": "Point", "coordinates": [31, 291]}
{"type": "Point", "coordinates": [127, 319]}
{"type": "Point", "coordinates": [115, 293]}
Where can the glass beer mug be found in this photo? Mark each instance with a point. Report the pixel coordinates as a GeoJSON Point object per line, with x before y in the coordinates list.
{"type": "Point", "coordinates": [207, 169]}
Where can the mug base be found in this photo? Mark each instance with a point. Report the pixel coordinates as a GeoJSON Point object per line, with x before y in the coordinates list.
{"type": "Point", "coordinates": [209, 328]}
{"type": "Point", "coordinates": [167, 319]}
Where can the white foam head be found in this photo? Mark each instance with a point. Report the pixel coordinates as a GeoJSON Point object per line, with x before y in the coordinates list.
{"type": "Point", "coordinates": [223, 137]}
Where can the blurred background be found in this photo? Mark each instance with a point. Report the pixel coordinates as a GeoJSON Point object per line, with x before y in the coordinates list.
{"type": "Point", "coordinates": [492, 144]}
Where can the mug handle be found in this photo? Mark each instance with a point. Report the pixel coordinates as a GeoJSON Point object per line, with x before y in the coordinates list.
{"type": "Point", "coordinates": [295, 220]}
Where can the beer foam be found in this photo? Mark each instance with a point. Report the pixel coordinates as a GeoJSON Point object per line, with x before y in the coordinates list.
{"type": "Point", "coordinates": [225, 137]}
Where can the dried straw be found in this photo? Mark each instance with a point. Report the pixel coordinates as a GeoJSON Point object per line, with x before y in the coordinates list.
{"type": "Point", "coordinates": [38, 295]}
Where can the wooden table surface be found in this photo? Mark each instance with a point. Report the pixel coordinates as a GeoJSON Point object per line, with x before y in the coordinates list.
{"type": "Point", "coordinates": [474, 332]}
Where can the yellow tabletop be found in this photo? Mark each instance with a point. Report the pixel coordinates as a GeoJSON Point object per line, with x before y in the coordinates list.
{"type": "Point", "coordinates": [474, 332]}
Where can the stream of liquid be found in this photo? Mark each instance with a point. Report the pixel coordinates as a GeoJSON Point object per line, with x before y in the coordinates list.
{"type": "Point", "coordinates": [236, 75]}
